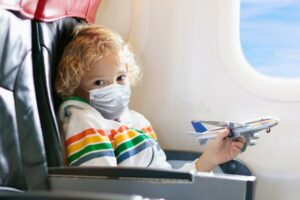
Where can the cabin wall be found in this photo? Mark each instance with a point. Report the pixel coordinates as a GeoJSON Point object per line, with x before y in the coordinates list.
{"type": "Point", "coordinates": [185, 78]}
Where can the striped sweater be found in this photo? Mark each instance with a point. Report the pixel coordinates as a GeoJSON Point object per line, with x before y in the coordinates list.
{"type": "Point", "coordinates": [91, 140]}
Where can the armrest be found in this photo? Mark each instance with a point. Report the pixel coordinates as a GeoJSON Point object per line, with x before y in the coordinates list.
{"type": "Point", "coordinates": [45, 195]}
{"type": "Point", "coordinates": [152, 183]}
{"type": "Point", "coordinates": [121, 172]}
{"type": "Point", "coordinates": [234, 167]}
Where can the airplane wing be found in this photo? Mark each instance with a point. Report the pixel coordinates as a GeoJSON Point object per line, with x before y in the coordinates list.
{"type": "Point", "coordinates": [214, 123]}
{"type": "Point", "coordinates": [203, 136]}
{"type": "Point", "coordinates": [268, 119]}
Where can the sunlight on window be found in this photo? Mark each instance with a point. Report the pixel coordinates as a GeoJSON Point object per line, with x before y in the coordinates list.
{"type": "Point", "coordinates": [270, 36]}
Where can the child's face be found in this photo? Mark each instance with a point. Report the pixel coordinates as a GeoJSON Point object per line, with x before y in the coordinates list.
{"type": "Point", "coordinates": [108, 70]}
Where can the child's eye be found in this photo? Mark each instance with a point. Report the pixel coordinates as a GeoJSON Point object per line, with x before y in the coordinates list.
{"type": "Point", "coordinates": [99, 83]}
{"type": "Point", "coordinates": [121, 78]}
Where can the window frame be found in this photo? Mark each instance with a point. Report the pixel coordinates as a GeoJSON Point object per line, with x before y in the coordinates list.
{"type": "Point", "coordinates": [236, 64]}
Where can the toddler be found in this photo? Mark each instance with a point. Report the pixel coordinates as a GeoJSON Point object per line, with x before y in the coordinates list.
{"type": "Point", "coordinates": [94, 78]}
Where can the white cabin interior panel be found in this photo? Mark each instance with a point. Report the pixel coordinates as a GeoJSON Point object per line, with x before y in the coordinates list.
{"type": "Point", "coordinates": [185, 77]}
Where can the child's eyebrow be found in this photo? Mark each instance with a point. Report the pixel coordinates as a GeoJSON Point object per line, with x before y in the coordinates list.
{"type": "Point", "coordinates": [122, 71]}
{"type": "Point", "coordinates": [94, 76]}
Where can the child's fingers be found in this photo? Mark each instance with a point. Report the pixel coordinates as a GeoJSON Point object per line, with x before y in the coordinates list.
{"type": "Point", "coordinates": [235, 150]}
{"type": "Point", "coordinates": [238, 145]}
{"type": "Point", "coordinates": [242, 139]}
{"type": "Point", "coordinates": [222, 134]}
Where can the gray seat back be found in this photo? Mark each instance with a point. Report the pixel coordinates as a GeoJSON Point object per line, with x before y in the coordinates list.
{"type": "Point", "coordinates": [22, 156]}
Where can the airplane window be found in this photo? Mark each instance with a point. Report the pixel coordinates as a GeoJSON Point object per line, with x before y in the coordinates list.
{"type": "Point", "coordinates": [270, 36]}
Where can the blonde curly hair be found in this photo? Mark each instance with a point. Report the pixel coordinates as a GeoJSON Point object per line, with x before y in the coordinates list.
{"type": "Point", "coordinates": [90, 43]}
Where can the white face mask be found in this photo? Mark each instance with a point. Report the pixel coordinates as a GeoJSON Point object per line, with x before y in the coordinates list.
{"type": "Point", "coordinates": [111, 101]}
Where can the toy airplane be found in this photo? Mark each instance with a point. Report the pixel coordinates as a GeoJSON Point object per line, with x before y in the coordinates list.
{"type": "Point", "coordinates": [249, 130]}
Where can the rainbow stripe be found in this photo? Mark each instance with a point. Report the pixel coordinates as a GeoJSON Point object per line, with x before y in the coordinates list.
{"type": "Point", "coordinates": [149, 131]}
{"type": "Point", "coordinates": [137, 148]}
{"type": "Point", "coordinates": [88, 145]}
{"type": "Point", "coordinates": [130, 143]}
{"type": "Point", "coordinates": [122, 144]}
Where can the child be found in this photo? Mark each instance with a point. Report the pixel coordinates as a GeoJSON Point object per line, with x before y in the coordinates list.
{"type": "Point", "coordinates": [94, 79]}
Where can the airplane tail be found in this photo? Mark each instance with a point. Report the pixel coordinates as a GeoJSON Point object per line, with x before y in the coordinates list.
{"type": "Point", "coordinates": [198, 126]}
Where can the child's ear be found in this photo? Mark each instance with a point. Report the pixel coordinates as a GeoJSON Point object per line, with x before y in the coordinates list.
{"type": "Point", "coordinates": [80, 92]}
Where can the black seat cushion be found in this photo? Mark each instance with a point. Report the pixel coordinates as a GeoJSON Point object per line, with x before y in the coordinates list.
{"type": "Point", "coordinates": [49, 40]}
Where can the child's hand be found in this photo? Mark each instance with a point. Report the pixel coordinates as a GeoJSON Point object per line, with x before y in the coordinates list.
{"type": "Point", "coordinates": [219, 150]}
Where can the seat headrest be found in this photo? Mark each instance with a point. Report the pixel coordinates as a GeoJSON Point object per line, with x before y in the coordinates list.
{"type": "Point", "coordinates": [51, 10]}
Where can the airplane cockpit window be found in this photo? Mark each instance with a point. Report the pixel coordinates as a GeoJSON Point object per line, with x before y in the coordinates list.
{"type": "Point", "coordinates": [270, 36]}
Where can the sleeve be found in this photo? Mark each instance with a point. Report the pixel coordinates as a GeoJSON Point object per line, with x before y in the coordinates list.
{"type": "Point", "coordinates": [86, 143]}
{"type": "Point", "coordinates": [189, 167]}
{"type": "Point", "coordinates": [161, 159]}
{"type": "Point", "coordinates": [162, 162]}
